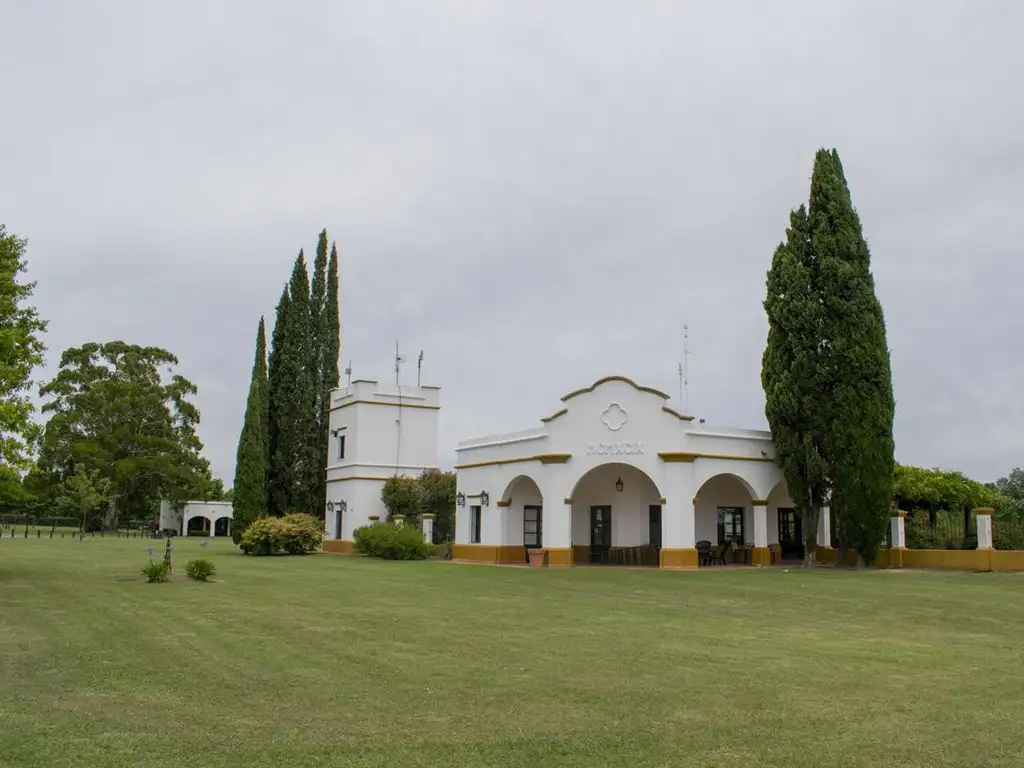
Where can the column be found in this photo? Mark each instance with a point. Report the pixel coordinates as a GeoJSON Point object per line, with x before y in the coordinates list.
{"type": "Point", "coordinates": [398, 519]}
{"type": "Point", "coordinates": [983, 516]}
{"type": "Point", "coordinates": [428, 527]}
{"type": "Point", "coordinates": [761, 554]}
{"type": "Point", "coordinates": [678, 519]}
{"type": "Point", "coordinates": [556, 535]}
{"type": "Point", "coordinates": [898, 529]}
{"type": "Point", "coordinates": [825, 528]}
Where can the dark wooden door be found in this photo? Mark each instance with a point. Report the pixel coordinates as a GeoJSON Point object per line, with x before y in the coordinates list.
{"type": "Point", "coordinates": [533, 525]}
{"type": "Point", "coordinates": [654, 513]}
{"type": "Point", "coordinates": [600, 533]}
{"type": "Point", "coordinates": [791, 533]}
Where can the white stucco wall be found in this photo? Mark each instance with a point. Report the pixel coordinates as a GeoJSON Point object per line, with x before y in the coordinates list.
{"type": "Point", "coordinates": [212, 511]}
{"type": "Point", "coordinates": [388, 430]}
{"type": "Point", "coordinates": [658, 454]}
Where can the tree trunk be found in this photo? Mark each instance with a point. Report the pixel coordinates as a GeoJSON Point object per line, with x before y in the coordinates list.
{"type": "Point", "coordinates": [811, 537]}
{"type": "Point", "coordinates": [110, 523]}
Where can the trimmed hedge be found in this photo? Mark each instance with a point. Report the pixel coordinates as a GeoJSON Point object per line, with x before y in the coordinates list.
{"type": "Point", "coordinates": [392, 542]}
{"type": "Point", "coordinates": [295, 534]}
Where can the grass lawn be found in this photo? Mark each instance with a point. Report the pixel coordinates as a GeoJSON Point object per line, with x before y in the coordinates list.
{"type": "Point", "coordinates": [333, 660]}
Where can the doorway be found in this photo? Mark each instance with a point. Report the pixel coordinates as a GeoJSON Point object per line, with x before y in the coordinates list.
{"type": "Point", "coordinates": [791, 534]}
{"type": "Point", "coordinates": [600, 533]}
{"type": "Point", "coordinates": [533, 528]}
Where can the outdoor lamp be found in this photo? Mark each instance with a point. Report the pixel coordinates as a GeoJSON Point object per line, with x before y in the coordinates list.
{"type": "Point", "coordinates": [342, 505]}
{"type": "Point", "coordinates": [460, 499]}
{"type": "Point", "coordinates": [618, 485]}
{"type": "Point", "coordinates": [330, 506]}
{"type": "Point", "coordinates": [485, 498]}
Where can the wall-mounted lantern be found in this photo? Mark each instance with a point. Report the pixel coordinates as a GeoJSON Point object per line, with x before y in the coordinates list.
{"type": "Point", "coordinates": [619, 485]}
{"type": "Point", "coordinates": [460, 499]}
{"type": "Point", "coordinates": [485, 498]}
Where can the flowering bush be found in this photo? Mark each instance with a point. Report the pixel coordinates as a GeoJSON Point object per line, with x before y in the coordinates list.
{"type": "Point", "coordinates": [295, 534]}
{"type": "Point", "coordinates": [156, 571]}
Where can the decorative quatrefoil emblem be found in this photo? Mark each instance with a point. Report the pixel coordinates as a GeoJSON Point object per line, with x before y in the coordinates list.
{"type": "Point", "coordinates": [614, 416]}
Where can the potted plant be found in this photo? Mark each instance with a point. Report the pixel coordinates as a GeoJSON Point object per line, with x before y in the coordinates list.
{"type": "Point", "coordinates": [537, 558]}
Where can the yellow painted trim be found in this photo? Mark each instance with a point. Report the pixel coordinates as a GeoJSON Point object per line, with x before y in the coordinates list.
{"type": "Point", "coordinates": [677, 559]}
{"type": "Point", "coordinates": [559, 557]}
{"type": "Point", "coordinates": [339, 546]}
{"type": "Point", "coordinates": [504, 502]}
{"type": "Point", "coordinates": [543, 458]}
{"type": "Point", "coordinates": [554, 458]}
{"type": "Point", "coordinates": [393, 405]}
{"type": "Point", "coordinates": [677, 414]}
{"type": "Point", "coordinates": [761, 556]}
{"type": "Point", "coordinates": [680, 457]}
{"type": "Point", "coordinates": [606, 379]}
{"type": "Point", "coordinates": [759, 502]}
{"type": "Point", "coordinates": [662, 500]}
{"type": "Point", "coordinates": [984, 511]}
{"type": "Point", "coordinates": [428, 516]}
{"type": "Point", "coordinates": [357, 477]}
{"type": "Point", "coordinates": [567, 500]}
{"type": "Point", "coordinates": [488, 553]}
{"type": "Point", "coordinates": [555, 415]}
{"type": "Point", "coordinates": [898, 513]}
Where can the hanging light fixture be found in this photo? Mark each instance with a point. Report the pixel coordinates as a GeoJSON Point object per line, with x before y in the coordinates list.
{"type": "Point", "coordinates": [460, 499]}
{"type": "Point", "coordinates": [619, 485]}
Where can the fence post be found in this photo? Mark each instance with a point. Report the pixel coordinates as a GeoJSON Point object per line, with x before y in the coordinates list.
{"type": "Point", "coordinates": [985, 541]}
{"type": "Point", "coordinates": [428, 527]}
{"type": "Point", "coordinates": [398, 519]}
{"type": "Point", "coordinates": [897, 536]}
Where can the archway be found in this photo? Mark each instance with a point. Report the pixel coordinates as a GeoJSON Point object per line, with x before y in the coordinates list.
{"type": "Point", "coordinates": [724, 513]}
{"type": "Point", "coordinates": [786, 528]}
{"type": "Point", "coordinates": [222, 526]}
{"type": "Point", "coordinates": [616, 516]}
{"type": "Point", "coordinates": [197, 525]}
{"type": "Point", "coordinates": [524, 518]}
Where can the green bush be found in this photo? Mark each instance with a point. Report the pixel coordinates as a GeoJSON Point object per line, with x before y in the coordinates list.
{"type": "Point", "coordinates": [200, 569]}
{"type": "Point", "coordinates": [156, 571]}
{"type": "Point", "coordinates": [392, 542]}
{"type": "Point", "coordinates": [1007, 534]}
{"type": "Point", "coordinates": [295, 534]}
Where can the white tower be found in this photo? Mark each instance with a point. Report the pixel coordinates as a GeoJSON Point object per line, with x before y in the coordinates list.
{"type": "Point", "coordinates": [376, 430]}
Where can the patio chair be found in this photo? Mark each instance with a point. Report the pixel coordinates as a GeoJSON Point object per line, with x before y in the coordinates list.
{"type": "Point", "coordinates": [703, 552]}
{"type": "Point", "coordinates": [718, 553]}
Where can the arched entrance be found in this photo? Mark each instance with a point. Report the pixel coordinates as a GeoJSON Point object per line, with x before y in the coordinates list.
{"type": "Point", "coordinates": [524, 518]}
{"type": "Point", "coordinates": [723, 513]}
{"type": "Point", "coordinates": [222, 526]}
{"type": "Point", "coordinates": [616, 516]}
{"type": "Point", "coordinates": [786, 530]}
{"type": "Point", "coordinates": [197, 525]}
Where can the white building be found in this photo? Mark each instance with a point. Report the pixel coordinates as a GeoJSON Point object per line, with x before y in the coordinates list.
{"type": "Point", "coordinates": [615, 470]}
{"type": "Point", "coordinates": [214, 517]}
{"type": "Point", "coordinates": [376, 431]}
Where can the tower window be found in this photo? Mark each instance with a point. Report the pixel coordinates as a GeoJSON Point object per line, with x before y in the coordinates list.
{"type": "Point", "coordinates": [341, 447]}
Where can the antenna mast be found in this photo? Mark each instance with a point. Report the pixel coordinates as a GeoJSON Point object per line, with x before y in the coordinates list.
{"type": "Point", "coordinates": [419, 368]}
{"type": "Point", "coordinates": [348, 376]}
{"type": "Point", "coordinates": [686, 368]}
{"type": "Point", "coordinates": [398, 363]}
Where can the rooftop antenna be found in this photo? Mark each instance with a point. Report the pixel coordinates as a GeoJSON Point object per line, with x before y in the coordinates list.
{"type": "Point", "coordinates": [398, 363]}
{"type": "Point", "coordinates": [419, 368]}
{"type": "Point", "coordinates": [686, 369]}
{"type": "Point", "coordinates": [348, 375]}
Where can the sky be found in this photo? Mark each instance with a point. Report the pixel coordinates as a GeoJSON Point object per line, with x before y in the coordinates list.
{"type": "Point", "coordinates": [535, 194]}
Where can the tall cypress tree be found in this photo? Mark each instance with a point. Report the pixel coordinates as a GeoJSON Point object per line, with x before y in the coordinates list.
{"type": "Point", "coordinates": [860, 405]}
{"type": "Point", "coordinates": [793, 376]}
{"type": "Point", "coordinates": [250, 486]}
{"type": "Point", "coordinates": [330, 350]}
{"type": "Point", "coordinates": [279, 477]}
{"type": "Point", "coordinates": [318, 437]}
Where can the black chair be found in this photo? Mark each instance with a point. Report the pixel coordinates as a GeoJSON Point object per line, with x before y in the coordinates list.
{"type": "Point", "coordinates": [703, 553]}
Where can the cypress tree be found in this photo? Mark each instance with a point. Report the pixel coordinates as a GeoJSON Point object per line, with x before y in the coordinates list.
{"type": "Point", "coordinates": [860, 407]}
{"type": "Point", "coordinates": [793, 375]}
{"type": "Point", "coordinates": [318, 437]}
{"type": "Point", "coordinates": [278, 474]}
{"type": "Point", "coordinates": [250, 486]}
{"type": "Point", "coordinates": [330, 350]}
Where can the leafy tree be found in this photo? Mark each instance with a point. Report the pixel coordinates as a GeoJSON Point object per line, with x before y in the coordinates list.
{"type": "Point", "coordinates": [294, 463]}
{"type": "Point", "coordinates": [21, 350]}
{"type": "Point", "coordinates": [402, 495]}
{"type": "Point", "coordinates": [858, 444]}
{"type": "Point", "coordinates": [794, 376]}
{"type": "Point", "coordinates": [250, 486]}
{"type": "Point", "coordinates": [437, 495]}
{"type": "Point", "coordinates": [1012, 487]}
{"type": "Point", "coordinates": [82, 493]}
{"type": "Point", "coordinates": [119, 409]}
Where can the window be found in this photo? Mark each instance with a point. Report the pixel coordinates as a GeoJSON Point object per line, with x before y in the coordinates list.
{"type": "Point", "coordinates": [474, 525]}
{"type": "Point", "coordinates": [341, 447]}
{"type": "Point", "coordinates": [730, 524]}
{"type": "Point", "coordinates": [532, 525]}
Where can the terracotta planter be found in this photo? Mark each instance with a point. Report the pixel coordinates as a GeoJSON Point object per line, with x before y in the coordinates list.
{"type": "Point", "coordinates": [537, 558]}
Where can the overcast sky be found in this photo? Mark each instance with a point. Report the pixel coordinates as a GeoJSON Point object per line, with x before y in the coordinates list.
{"type": "Point", "coordinates": [534, 193]}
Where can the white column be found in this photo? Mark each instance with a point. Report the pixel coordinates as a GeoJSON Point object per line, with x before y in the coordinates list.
{"type": "Point", "coordinates": [898, 529]}
{"type": "Point", "coordinates": [984, 520]}
{"type": "Point", "coordinates": [428, 528]}
{"type": "Point", "coordinates": [398, 519]}
{"type": "Point", "coordinates": [825, 527]}
{"type": "Point", "coordinates": [678, 519]}
{"type": "Point", "coordinates": [761, 524]}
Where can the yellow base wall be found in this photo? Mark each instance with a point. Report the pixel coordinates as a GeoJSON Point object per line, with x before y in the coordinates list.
{"type": "Point", "coordinates": [580, 553]}
{"type": "Point", "coordinates": [938, 559]}
{"type": "Point", "coordinates": [559, 557]}
{"type": "Point", "coordinates": [487, 553]}
{"type": "Point", "coordinates": [761, 556]}
{"type": "Point", "coordinates": [677, 558]}
{"type": "Point", "coordinates": [339, 546]}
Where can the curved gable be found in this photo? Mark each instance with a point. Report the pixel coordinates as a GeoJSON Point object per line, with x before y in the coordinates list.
{"type": "Point", "coordinates": [606, 379]}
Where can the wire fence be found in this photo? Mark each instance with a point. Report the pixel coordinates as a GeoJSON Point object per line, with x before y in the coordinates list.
{"type": "Point", "coordinates": [949, 530]}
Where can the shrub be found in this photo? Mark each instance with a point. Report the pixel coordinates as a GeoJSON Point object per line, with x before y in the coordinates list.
{"type": "Point", "coordinates": [156, 571]}
{"type": "Point", "coordinates": [392, 542]}
{"type": "Point", "coordinates": [295, 534]}
{"type": "Point", "coordinates": [200, 569]}
{"type": "Point", "coordinates": [1007, 534]}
